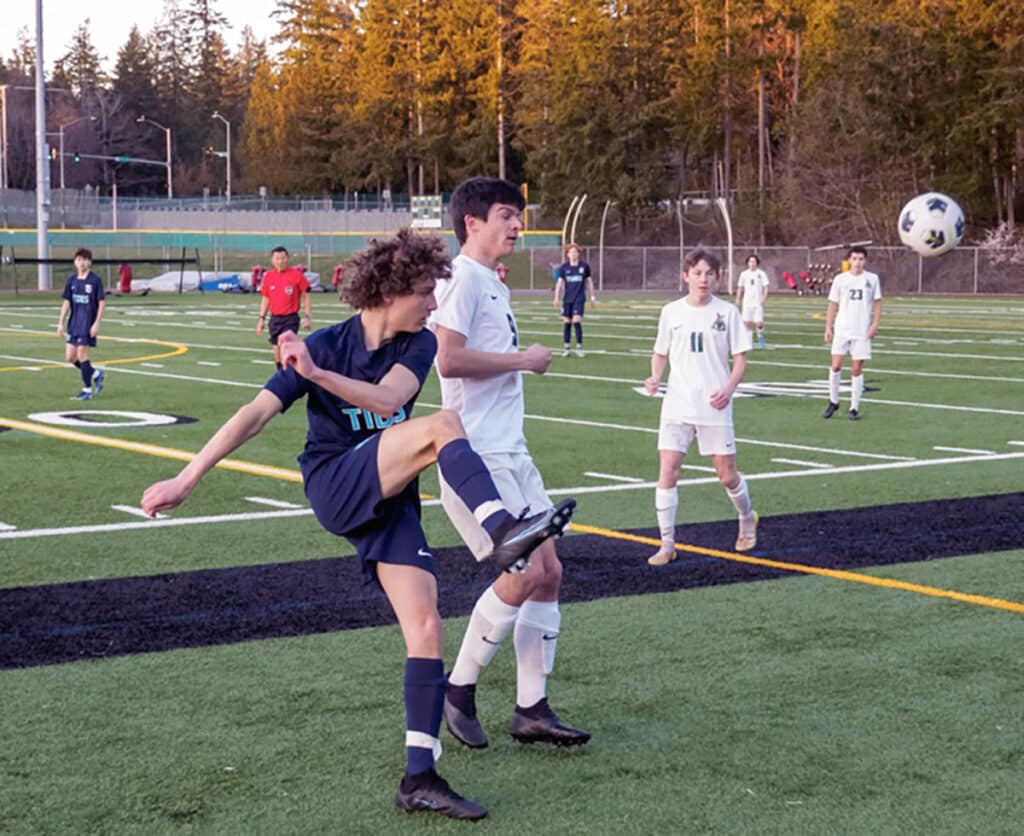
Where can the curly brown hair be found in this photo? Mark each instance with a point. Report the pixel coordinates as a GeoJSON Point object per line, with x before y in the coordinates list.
{"type": "Point", "coordinates": [393, 267]}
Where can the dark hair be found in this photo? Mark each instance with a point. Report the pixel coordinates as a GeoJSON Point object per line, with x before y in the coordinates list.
{"type": "Point", "coordinates": [860, 250]}
{"type": "Point", "coordinates": [279, 249]}
{"type": "Point", "coordinates": [695, 256]}
{"type": "Point", "coordinates": [754, 256]}
{"type": "Point", "coordinates": [476, 196]}
{"type": "Point", "coordinates": [84, 253]}
{"type": "Point", "coordinates": [393, 267]}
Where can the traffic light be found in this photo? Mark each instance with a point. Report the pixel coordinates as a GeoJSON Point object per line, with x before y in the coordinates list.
{"type": "Point", "coordinates": [77, 157]}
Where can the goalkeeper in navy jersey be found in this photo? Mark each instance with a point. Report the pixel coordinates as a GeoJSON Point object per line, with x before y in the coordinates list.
{"type": "Point", "coordinates": [360, 467]}
{"type": "Point", "coordinates": [572, 286]}
{"type": "Point", "coordinates": [79, 322]}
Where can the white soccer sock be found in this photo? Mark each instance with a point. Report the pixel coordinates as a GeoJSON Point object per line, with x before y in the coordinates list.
{"type": "Point", "coordinates": [490, 622]}
{"type": "Point", "coordinates": [740, 498]}
{"type": "Point", "coordinates": [666, 503]}
{"type": "Point", "coordinates": [858, 390]}
{"type": "Point", "coordinates": [535, 638]}
{"type": "Point", "coordinates": [833, 385]}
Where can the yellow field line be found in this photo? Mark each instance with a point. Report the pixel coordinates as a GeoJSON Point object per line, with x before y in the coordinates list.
{"type": "Point", "coordinates": [837, 574]}
{"type": "Point", "coordinates": [150, 449]}
{"type": "Point", "coordinates": [177, 349]}
{"type": "Point", "coordinates": [252, 468]}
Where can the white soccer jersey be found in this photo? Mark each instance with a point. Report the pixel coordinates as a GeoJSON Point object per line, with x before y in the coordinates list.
{"type": "Point", "coordinates": [752, 282]}
{"type": "Point", "coordinates": [698, 342]}
{"type": "Point", "coordinates": [856, 297]}
{"type": "Point", "coordinates": [475, 303]}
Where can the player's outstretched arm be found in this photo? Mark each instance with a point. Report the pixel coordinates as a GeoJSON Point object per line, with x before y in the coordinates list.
{"type": "Point", "coordinates": [385, 397]}
{"type": "Point", "coordinates": [242, 426]}
{"type": "Point", "coordinates": [455, 360]}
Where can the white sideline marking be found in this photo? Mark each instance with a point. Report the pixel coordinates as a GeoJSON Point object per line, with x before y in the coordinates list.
{"type": "Point", "coordinates": [152, 365]}
{"type": "Point", "coordinates": [611, 476]}
{"type": "Point", "coordinates": [802, 463]}
{"type": "Point", "coordinates": [964, 450]}
{"type": "Point", "coordinates": [273, 503]}
{"type": "Point", "coordinates": [5, 527]}
{"type": "Point", "coordinates": [264, 362]}
{"type": "Point", "coordinates": [206, 363]}
{"type": "Point", "coordinates": [265, 515]}
{"type": "Point", "coordinates": [135, 510]}
{"type": "Point", "coordinates": [1017, 443]}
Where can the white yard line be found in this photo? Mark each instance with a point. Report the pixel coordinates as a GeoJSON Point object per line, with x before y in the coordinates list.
{"type": "Point", "coordinates": [611, 476]}
{"type": "Point", "coordinates": [136, 511]}
{"type": "Point", "coordinates": [206, 363]}
{"type": "Point", "coordinates": [802, 463]}
{"type": "Point", "coordinates": [575, 491]}
{"type": "Point", "coordinates": [964, 450]}
{"type": "Point", "coordinates": [273, 503]}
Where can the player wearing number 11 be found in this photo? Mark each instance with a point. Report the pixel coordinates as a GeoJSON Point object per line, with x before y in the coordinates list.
{"type": "Point", "coordinates": [696, 335]}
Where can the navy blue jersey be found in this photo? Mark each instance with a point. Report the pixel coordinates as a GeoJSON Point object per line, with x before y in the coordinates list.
{"type": "Point", "coordinates": [575, 279]}
{"type": "Point", "coordinates": [84, 296]}
{"type": "Point", "coordinates": [336, 426]}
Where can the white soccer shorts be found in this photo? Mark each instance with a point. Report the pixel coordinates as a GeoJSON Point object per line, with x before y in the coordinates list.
{"type": "Point", "coordinates": [520, 487]}
{"type": "Point", "coordinates": [858, 348]}
{"type": "Point", "coordinates": [754, 314]}
{"type": "Point", "coordinates": [711, 440]}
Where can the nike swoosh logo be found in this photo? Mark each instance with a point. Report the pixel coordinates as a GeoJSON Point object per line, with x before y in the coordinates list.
{"type": "Point", "coordinates": [494, 298]}
{"type": "Point", "coordinates": [423, 553]}
{"type": "Point", "coordinates": [488, 641]}
{"type": "Point", "coordinates": [426, 803]}
{"type": "Point", "coordinates": [548, 638]}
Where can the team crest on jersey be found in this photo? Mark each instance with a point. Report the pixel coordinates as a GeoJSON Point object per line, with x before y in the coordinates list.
{"type": "Point", "coordinates": [718, 324]}
{"type": "Point", "coordinates": [88, 288]}
{"type": "Point", "coordinates": [289, 290]}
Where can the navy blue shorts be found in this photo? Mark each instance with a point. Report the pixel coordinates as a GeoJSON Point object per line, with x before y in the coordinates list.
{"type": "Point", "coordinates": [81, 339]}
{"type": "Point", "coordinates": [571, 309]}
{"type": "Point", "coordinates": [344, 493]}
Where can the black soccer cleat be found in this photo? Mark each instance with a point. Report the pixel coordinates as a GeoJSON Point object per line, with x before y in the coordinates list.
{"type": "Point", "coordinates": [428, 791]}
{"type": "Point", "coordinates": [830, 410]}
{"type": "Point", "coordinates": [539, 724]}
{"type": "Point", "coordinates": [854, 415]}
{"type": "Point", "coordinates": [512, 551]}
{"type": "Point", "coordinates": [462, 722]}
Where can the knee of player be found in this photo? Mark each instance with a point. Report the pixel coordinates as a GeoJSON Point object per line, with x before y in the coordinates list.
{"type": "Point", "coordinates": [727, 474]}
{"type": "Point", "coordinates": [547, 569]}
{"type": "Point", "coordinates": [447, 424]}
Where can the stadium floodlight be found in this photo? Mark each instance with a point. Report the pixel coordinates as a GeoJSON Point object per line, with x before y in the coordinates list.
{"type": "Point", "coordinates": [227, 130]}
{"type": "Point", "coordinates": [167, 131]}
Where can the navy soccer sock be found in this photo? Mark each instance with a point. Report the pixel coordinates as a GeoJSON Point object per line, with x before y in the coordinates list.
{"type": "Point", "coordinates": [579, 333]}
{"type": "Point", "coordinates": [466, 473]}
{"type": "Point", "coordinates": [424, 701]}
{"type": "Point", "coordinates": [86, 369]}
{"type": "Point", "coordinates": [566, 333]}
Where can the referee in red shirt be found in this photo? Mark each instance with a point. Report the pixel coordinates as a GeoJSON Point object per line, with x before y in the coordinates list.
{"type": "Point", "coordinates": [283, 288]}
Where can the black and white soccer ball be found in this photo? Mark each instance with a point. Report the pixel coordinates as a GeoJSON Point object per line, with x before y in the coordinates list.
{"type": "Point", "coordinates": [932, 224]}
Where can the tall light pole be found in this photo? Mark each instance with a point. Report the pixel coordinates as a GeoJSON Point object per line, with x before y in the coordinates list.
{"type": "Point", "coordinates": [60, 133]}
{"type": "Point", "coordinates": [167, 131]}
{"type": "Point", "coordinates": [227, 130]}
{"type": "Point", "coordinates": [42, 164]}
{"type": "Point", "coordinates": [3, 135]}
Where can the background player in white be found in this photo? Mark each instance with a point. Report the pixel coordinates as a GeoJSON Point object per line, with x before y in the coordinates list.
{"type": "Point", "coordinates": [854, 312]}
{"type": "Point", "coordinates": [751, 293]}
{"type": "Point", "coordinates": [696, 335]}
{"type": "Point", "coordinates": [480, 366]}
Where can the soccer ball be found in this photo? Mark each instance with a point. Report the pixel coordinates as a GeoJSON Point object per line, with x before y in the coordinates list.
{"type": "Point", "coordinates": [931, 224]}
